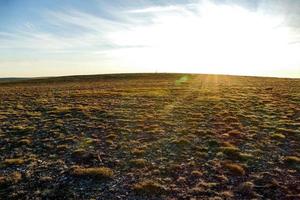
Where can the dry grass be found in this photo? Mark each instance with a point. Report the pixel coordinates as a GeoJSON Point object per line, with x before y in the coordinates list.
{"type": "Point", "coordinates": [235, 169]}
{"type": "Point", "coordinates": [138, 162]}
{"type": "Point", "coordinates": [149, 187]}
{"type": "Point", "coordinates": [13, 161]}
{"type": "Point", "coordinates": [292, 160]}
{"type": "Point", "coordinates": [94, 172]}
{"type": "Point", "coordinates": [183, 136]}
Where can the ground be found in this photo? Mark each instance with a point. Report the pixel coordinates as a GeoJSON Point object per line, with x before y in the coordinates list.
{"type": "Point", "coordinates": [150, 136]}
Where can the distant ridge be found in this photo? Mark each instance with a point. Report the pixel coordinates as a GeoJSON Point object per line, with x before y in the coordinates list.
{"type": "Point", "coordinates": [7, 80]}
{"type": "Point", "coordinates": [120, 76]}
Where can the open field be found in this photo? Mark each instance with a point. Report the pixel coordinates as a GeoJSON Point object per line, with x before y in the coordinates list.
{"type": "Point", "coordinates": [150, 136]}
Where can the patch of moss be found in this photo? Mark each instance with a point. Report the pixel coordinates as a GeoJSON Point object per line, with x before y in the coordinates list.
{"type": "Point", "coordinates": [213, 143]}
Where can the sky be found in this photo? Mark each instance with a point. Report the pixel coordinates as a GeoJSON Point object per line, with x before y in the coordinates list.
{"type": "Point", "coordinates": [71, 37]}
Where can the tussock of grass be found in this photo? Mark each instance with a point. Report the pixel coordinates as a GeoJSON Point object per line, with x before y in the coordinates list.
{"type": "Point", "coordinates": [288, 131]}
{"type": "Point", "coordinates": [25, 142]}
{"type": "Point", "coordinates": [227, 144]}
{"type": "Point", "coordinates": [181, 142]}
{"type": "Point", "coordinates": [109, 142]}
{"type": "Point", "coordinates": [198, 190]}
{"type": "Point", "coordinates": [278, 136]}
{"type": "Point", "coordinates": [111, 137]}
{"type": "Point", "coordinates": [138, 162]}
{"type": "Point", "coordinates": [246, 156]}
{"type": "Point", "coordinates": [62, 147]}
{"type": "Point", "coordinates": [235, 169]}
{"type": "Point", "coordinates": [227, 194]}
{"type": "Point", "coordinates": [94, 172]}
{"type": "Point", "coordinates": [196, 174]}
{"type": "Point", "coordinates": [234, 133]}
{"type": "Point", "coordinates": [23, 129]}
{"type": "Point", "coordinates": [292, 161]}
{"type": "Point", "coordinates": [81, 155]}
{"type": "Point", "coordinates": [137, 152]}
{"type": "Point", "coordinates": [149, 187]}
{"type": "Point", "coordinates": [246, 187]}
{"type": "Point", "coordinates": [12, 178]}
{"type": "Point", "coordinates": [13, 161]}
{"type": "Point", "coordinates": [230, 119]}
{"type": "Point", "coordinates": [232, 152]}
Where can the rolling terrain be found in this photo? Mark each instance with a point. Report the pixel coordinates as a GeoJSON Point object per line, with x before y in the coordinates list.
{"type": "Point", "coordinates": [150, 136]}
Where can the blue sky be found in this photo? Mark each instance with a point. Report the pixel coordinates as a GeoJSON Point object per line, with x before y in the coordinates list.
{"type": "Point", "coordinates": [66, 37]}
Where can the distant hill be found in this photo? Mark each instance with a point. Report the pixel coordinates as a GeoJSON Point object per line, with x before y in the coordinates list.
{"type": "Point", "coordinates": [6, 80]}
{"type": "Point", "coordinates": [115, 77]}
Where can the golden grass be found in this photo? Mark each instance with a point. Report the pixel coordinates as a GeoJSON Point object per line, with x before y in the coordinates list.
{"type": "Point", "coordinates": [93, 172]}
{"type": "Point", "coordinates": [235, 169]}
{"type": "Point", "coordinates": [149, 187]}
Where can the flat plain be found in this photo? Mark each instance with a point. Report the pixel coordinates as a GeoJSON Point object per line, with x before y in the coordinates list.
{"type": "Point", "coordinates": [150, 136]}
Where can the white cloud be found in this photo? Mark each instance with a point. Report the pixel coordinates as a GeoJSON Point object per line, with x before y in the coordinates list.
{"type": "Point", "coordinates": [159, 9]}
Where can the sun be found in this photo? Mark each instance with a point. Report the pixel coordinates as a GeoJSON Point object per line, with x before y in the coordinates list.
{"type": "Point", "coordinates": [210, 39]}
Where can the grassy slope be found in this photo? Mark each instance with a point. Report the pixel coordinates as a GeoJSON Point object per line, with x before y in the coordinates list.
{"type": "Point", "coordinates": [154, 135]}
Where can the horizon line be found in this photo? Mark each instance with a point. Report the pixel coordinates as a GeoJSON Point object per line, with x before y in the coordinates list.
{"type": "Point", "coordinates": [124, 73]}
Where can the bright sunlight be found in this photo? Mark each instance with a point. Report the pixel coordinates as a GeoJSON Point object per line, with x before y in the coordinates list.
{"type": "Point", "coordinates": [210, 39]}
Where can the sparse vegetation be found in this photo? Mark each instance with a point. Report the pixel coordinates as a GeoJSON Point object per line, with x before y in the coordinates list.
{"type": "Point", "coordinates": [150, 136]}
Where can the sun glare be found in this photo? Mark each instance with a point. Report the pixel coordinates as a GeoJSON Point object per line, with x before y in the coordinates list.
{"type": "Point", "coordinates": [210, 39]}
